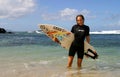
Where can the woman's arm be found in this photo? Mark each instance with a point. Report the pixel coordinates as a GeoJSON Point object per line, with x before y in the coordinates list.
{"type": "Point", "coordinates": [88, 39]}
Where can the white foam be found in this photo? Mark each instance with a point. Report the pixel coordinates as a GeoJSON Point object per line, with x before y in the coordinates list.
{"type": "Point", "coordinates": [106, 32]}
{"type": "Point", "coordinates": [44, 62]}
{"type": "Point", "coordinates": [64, 57]}
{"type": "Point", "coordinates": [14, 70]}
{"type": "Point", "coordinates": [118, 63]}
{"type": "Point", "coordinates": [106, 67]}
{"type": "Point", "coordinates": [26, 65]}
{"type": "Point", "coordinates": [84, 70]}
{"type": "Point", "coordinates": [69, 73]}
{"type": "Point", "coordinates": [33, 62]}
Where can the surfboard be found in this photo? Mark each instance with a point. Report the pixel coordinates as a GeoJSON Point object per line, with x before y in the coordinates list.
{"type": "Point", "coordinates": [65, 38]}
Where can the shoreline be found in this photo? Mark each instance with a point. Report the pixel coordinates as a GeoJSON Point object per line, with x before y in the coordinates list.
{"type": "Point", "coordinates": [49, 71]}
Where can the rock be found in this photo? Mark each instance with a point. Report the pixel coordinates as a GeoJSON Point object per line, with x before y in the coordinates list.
{"type": "Point", "coordinates": [2, 30]}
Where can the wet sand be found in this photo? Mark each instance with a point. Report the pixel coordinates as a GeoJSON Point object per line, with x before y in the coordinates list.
{"type": "Point", "coordinates": [44, 70]}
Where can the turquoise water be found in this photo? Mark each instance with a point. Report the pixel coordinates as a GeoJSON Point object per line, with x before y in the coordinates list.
{"type": "Point", "coordinates": [34, 55]}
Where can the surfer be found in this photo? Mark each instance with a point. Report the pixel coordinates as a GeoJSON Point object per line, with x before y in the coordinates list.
{"type": "Point", "coordinates": [81, 32]}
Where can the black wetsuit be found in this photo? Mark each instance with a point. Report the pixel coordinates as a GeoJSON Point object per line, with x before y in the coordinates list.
{"type": "Point", "coordinates": [80, 32]}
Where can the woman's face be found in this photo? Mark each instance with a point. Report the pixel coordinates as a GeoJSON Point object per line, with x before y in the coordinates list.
{"type": "Point", "coordinates": [80, 21]}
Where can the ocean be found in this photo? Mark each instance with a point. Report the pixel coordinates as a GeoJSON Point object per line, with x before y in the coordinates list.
{"type": "Point", "coordinates": [25, 54]}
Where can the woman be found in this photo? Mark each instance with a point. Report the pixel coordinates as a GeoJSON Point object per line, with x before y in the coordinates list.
{"type": "Point", "coordinates": [81, 32]}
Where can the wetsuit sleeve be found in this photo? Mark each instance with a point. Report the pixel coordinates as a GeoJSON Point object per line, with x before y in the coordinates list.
{"type": "Point", "coordinates": [72, 30]}
{"type": "Point", "coordinates": [87, 31]}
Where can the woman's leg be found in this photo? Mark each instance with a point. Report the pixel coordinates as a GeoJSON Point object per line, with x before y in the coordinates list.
{"type": "Point", "coordinates": [79, 62]}
{"type": "Point", "coordinates": [70, 60]}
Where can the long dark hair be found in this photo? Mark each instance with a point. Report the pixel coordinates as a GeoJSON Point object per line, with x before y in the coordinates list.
{"type": "Point", "coordinates": [80, 15]}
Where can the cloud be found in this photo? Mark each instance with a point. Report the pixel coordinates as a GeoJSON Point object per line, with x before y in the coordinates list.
{"type": "Point", "coordinates": [67, 14]}
{"type": "Point", "coordinates": [14, 9]}
{"type": "Point", "coordinates": [50, 16]}
{"type": "Point", "coordinates": [68, 11]}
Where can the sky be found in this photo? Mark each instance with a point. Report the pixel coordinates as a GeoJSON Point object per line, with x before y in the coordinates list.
{"type": "Point", "coordinates": [26, 15]}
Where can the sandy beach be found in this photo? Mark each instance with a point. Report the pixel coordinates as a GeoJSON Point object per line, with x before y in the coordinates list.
{"type": "Point", "coordinates": [40, 70]}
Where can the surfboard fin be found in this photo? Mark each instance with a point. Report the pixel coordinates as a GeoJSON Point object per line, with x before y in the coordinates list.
{"type": "Point", "coordinates": [95, 55]}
